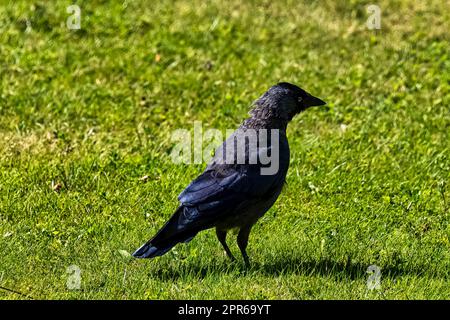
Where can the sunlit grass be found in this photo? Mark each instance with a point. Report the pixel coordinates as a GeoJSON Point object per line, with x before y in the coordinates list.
{"type": "Point", "coordinates": [93, 110]}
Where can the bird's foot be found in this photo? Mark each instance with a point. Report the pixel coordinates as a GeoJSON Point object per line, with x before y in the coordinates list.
{"type": "Point", "coordinates": [247, 262]}
{"type": "Point", "coordinates": [230, 256]}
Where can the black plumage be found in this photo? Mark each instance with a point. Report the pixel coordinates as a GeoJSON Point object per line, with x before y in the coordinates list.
{"type": "Point", "coordinates": [235, 194]}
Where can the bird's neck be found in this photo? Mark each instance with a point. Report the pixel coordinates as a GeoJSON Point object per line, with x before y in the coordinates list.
{"type": "Point", "coordinates": [264, 123]}
{"type": "Point", "coordinates": [263, 117]}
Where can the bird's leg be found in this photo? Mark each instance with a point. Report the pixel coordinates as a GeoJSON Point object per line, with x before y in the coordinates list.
{"type": "Point", "coordinates": [242, 240]}
{"type": "Point", "coordinates": [222, 236]}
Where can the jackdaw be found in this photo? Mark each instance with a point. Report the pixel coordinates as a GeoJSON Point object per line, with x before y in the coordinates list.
{"type": "Point", "coordinates": [239, 185]}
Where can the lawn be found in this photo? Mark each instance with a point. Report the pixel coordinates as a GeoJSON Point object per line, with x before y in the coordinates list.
{"type": "Point", "coordinates": [85, 114]}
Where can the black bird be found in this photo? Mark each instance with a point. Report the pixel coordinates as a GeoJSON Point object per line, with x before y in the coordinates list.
{"type": "Point", "coordinates": [230, 193]}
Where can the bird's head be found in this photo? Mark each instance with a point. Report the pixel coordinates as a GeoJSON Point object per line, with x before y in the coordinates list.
{"type": "Point", "coordinates": [284, 100]}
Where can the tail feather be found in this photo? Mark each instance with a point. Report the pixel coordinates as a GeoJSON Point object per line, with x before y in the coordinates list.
{"type": "Point", "coordinates": [166, 238]}
{"type": "Point", "coordinates": [150, 251]}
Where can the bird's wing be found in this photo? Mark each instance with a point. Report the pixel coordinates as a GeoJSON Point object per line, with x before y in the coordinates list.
{"type": "Point", "coordinates": [224, 182]}
{"type": "Point", "coordinates": [222, 188]}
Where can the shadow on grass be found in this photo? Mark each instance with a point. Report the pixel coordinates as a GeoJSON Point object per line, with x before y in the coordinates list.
{"type": "Point", "coordinates": [289, 266]}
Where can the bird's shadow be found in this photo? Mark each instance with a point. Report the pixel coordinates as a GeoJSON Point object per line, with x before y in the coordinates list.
{"type": "Point", "coordinates": [289, 265]}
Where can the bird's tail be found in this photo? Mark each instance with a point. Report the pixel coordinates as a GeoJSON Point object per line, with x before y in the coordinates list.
{"type": "Point", "coordinates": [166, 238]}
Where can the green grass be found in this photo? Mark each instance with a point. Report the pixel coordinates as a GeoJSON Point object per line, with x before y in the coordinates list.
{"type": "Point", "coordinates": [369, 176]}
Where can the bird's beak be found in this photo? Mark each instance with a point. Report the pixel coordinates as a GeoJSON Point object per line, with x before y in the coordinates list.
{"type": "Point", "coordinates": [312, 101]}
